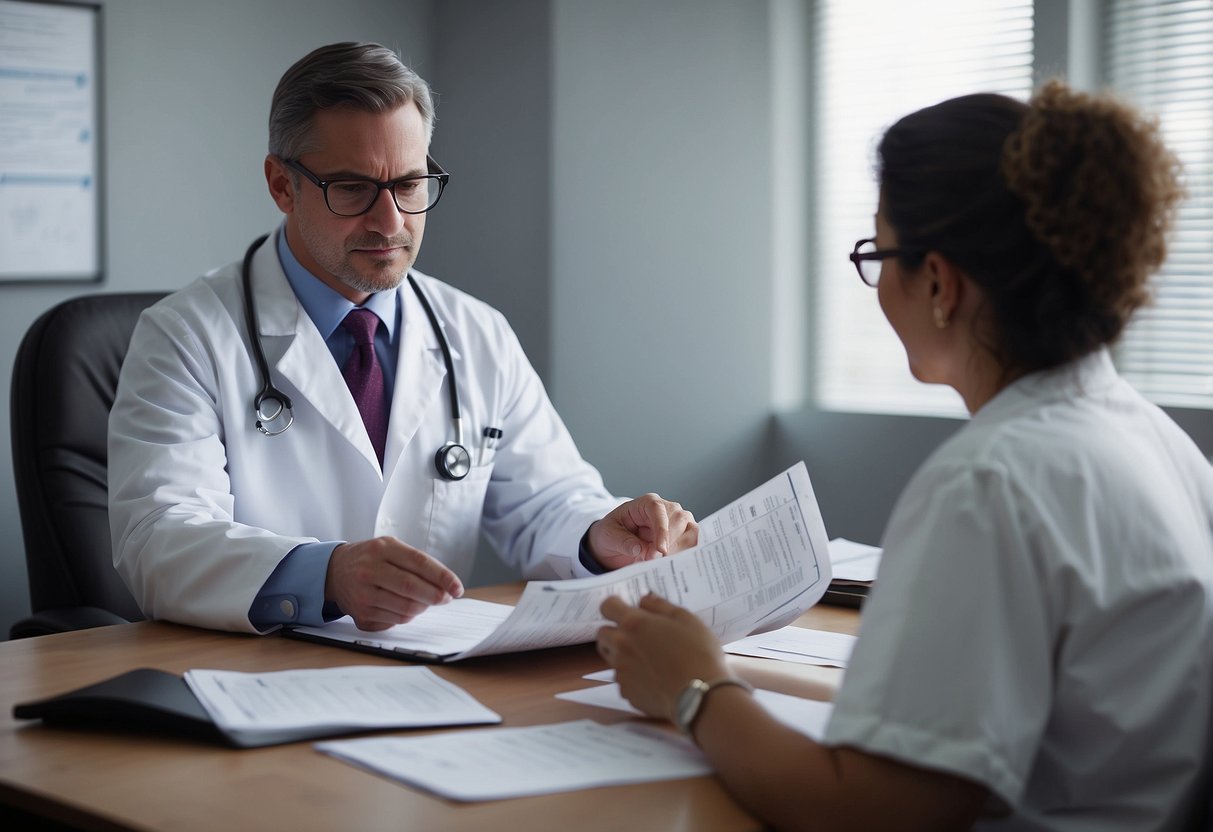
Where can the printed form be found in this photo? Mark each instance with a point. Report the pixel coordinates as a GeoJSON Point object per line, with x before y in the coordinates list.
{"type": "Point", "coordinates": [761, 561]}
{"type": "Point", "coordinates": [334, 700]}
{"type": "Point", "coordinates": [537, 759]}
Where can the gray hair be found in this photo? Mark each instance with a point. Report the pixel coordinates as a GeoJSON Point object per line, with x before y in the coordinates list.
{"type": "Point", "coordinates": [364, 76]}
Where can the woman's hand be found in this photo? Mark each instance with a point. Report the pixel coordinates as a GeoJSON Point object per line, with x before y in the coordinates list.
{"type": "Point", "coordinates": [657, 648]}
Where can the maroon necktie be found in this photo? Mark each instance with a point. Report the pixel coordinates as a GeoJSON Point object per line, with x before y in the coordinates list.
{"type": "Point", "coordinates": [365, 377]}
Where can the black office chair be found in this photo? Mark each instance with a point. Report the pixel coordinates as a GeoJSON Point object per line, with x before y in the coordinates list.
{"type": "Point", "coordinates": [64, 378]}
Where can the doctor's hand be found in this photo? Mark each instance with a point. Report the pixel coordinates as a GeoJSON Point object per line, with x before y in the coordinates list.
{"type": "Point", "coordinates": [646, 528]}
{"type": "Point", "coordinates": [657, 648]}
{"type": "Point", "coordinates": [384, 582]}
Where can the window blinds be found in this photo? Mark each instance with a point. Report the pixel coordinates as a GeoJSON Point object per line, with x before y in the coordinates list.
{"type": "Point", "coordinates": [877, 60]}
{"type": "Point", "coordinates": [1159, 55]}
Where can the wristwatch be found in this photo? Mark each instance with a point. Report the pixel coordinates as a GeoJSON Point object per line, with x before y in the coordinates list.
{"type": "Point", "coordinates": [690, 701]}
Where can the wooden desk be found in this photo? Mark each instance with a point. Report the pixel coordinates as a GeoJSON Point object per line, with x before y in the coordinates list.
{"type": "Point", "coordinates": [108, 781]}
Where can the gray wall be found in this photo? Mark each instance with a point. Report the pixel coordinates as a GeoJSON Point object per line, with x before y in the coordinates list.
{"type": "Point", "coordinates": [661, 242]}
{"type": "Point", "coordinates": [492, 232]}
{"type": "Point", "coordinates": [619, 192]}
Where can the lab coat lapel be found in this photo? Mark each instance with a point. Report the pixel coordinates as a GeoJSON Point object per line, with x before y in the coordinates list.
{"type": "Point", "coordinates": [420, 374]}
{"type": "Point", "coordinates": [294, 347]}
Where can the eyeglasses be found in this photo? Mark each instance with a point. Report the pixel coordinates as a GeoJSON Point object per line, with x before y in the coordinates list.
{"type": "Point", "coordinates": [869, 260]}
{"type": "Point", "coordinates": [353, 197]}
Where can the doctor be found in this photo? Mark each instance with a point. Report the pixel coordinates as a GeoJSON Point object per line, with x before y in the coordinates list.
{"type": "Point", "coordinates": [361, 481]}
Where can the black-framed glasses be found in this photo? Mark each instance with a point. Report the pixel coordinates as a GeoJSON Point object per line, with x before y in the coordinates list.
{"type": "Point", "coordinates": [869, 260]}
{"type": "Point", "coordinates": [353, 197]}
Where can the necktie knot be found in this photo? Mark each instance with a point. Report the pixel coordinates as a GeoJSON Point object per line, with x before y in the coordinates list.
{"type": "Point", "coordinates": [362, 324]}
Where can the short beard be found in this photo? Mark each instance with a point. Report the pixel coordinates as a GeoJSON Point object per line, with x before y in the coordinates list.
{"type": "Point", "coordinates": [359, 283]}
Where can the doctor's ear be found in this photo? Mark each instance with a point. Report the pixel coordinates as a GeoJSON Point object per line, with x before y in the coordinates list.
{"type": "Point", "coordinates": [281, 184]}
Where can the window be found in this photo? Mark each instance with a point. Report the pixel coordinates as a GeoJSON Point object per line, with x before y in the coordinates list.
{"type": "Point", "coordinates": [1159, 54]}
{"type": "Point", "coordinates": [876, 60]}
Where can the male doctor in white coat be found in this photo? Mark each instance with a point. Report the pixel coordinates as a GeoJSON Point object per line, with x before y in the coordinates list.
{"type": "Point", "coordinates": [217, 524]}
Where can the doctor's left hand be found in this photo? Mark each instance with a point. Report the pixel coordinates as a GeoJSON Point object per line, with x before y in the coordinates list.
{"type": "Point", "coordinates": [646, 528]}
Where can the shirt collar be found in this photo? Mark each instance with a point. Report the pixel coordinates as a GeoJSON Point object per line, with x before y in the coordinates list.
{"type": "Point", "coordinates": [326, 307]}
{"type": "Point", "coordinates": [1091, 374]}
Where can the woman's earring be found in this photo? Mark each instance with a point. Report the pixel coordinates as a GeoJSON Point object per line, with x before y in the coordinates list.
{"type": "Point", "coordinates": [941, 320]}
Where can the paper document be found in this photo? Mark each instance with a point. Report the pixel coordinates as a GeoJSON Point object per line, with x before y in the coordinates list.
{"type": "Point", "coordinates": [853, 561]}
{"type": "Point", "coordinates": [335, 698]}
{"type": "Point", "coordinates": [797, 644]}
{"type": "Point", "coordinates": [514, 762]}
{"type": "Point", "coordinates": [808, 716]}
{"type": "Point", "coordinates": [761, 562]}
{"type": "Point", "coordinates": [439, 632]}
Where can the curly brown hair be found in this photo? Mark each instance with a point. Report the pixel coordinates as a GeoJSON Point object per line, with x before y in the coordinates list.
{"type": "Point", "coordinates": [1058, 209]}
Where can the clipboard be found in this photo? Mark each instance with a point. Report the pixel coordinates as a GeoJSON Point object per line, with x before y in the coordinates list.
{"type": "Point", "coordinates": [374, 648]}
{"type": "Point", "coordinates": [444, 634]}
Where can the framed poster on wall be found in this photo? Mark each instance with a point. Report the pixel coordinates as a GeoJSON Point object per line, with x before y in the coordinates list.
{"type": "Point", "coordinates": [50, 155]}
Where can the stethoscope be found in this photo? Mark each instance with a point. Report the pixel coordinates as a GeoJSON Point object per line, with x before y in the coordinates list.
{"type": "Point", "coordinates": [452, 460]}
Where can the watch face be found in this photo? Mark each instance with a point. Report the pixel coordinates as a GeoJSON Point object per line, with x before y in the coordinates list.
{"type": "Point", "coordinates": [688, 704]}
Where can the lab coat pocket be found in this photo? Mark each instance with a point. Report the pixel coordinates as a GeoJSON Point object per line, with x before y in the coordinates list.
{"type": "Point", "coordinates": [455, 519]}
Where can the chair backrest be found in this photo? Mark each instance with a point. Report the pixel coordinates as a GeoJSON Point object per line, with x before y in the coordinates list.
{"type": "Point", "coordinates": [64, 378]}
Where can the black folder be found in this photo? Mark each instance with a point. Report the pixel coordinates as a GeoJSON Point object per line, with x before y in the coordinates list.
{"type": "Point", "coordinates": [846, 593]}
{"type": "Point", "coordinates": [154, 701]}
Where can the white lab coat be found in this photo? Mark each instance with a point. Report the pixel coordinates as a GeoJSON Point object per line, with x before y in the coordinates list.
{"type": "Point", "coordinates": [203, 506]}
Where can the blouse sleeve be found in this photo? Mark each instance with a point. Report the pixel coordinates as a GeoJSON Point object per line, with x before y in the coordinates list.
{"type": "Point", "coordinates": [952, 669]}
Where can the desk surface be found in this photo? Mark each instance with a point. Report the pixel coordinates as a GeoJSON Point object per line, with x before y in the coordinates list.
{"type": "Point", "coordinates": [109, 780]}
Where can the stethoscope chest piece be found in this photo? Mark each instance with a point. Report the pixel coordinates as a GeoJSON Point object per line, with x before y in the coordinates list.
{"type": "Point", "coordinates": [273, 422]}
{"type": "Point", "coordinates": [453, 461]}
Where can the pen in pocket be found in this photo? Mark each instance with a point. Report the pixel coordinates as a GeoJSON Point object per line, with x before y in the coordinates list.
{"type": "Point", "coordinates": [488, 442]}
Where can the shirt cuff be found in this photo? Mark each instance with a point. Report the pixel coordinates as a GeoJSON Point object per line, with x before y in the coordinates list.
{"type": "Point", "coordinates": [294, 591]}
{"type": "Point", "coordinates": [587, 559]}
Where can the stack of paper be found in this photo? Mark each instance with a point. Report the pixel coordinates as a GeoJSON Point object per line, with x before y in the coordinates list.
{"type": "Point", "coordinates": [797, 644]}
{"type": "Point", "coordinates": [854, 567]}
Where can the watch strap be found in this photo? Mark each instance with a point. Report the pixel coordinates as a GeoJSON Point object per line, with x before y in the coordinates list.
{"type": "Point", "coordinates": [690, 701]}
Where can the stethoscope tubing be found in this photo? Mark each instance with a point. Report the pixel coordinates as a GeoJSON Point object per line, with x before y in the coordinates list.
{"type": "Point", "coordinates": [452, 460]}
{"type": "Point", "coordinates": [268, 390]}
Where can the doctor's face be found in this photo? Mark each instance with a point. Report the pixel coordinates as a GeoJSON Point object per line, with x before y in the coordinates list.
{"type": "Point", "coordinates": [372, 252]}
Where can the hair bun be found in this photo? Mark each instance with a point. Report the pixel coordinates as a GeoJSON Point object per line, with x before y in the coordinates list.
{"type": "Point", "coordinates": [1099, 188]}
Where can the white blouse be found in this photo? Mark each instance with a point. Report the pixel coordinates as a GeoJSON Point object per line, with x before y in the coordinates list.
{"type": "Point", "coordinates": [1043, 618]}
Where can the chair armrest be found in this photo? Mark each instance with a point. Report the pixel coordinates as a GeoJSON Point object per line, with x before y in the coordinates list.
{"type": "Point", "coordinates": [63, 620]}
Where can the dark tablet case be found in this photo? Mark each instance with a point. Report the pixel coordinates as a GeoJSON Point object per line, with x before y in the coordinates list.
{"type": "Point", "coordinates": [149, 700]}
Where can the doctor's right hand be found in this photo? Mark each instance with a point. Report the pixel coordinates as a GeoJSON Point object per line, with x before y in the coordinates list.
{"type": "Point", "coordinates": [384, 582]}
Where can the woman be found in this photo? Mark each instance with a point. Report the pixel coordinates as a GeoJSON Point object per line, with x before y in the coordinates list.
{"type": "Point", "coordinates": [1037, 652]}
